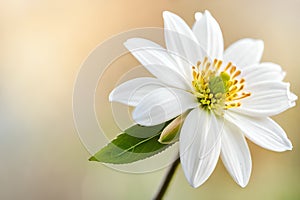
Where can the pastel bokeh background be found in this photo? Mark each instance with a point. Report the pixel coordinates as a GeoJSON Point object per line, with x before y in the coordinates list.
{"type": "Point", "coordinates": [42, 46]}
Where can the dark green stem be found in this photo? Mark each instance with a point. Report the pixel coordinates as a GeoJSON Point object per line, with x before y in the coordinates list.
{"type": "Point", "coordinates": [167, 180]}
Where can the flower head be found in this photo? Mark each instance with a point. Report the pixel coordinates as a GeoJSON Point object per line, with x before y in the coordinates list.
{"type": "Point", "coordinates": [223, 96]}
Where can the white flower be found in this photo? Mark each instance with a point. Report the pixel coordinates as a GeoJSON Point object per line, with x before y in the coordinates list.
{"type": "Point", "coordinates": [226, 96]}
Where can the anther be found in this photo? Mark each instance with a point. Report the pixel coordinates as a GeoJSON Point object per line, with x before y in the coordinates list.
{"type": "Point", "coordinates": [194, 74]}
{"type": "Point", "coordinates": [215, 62]}
{"type": "Point", "coordinates": [218, 64]}
{"type": "Point", "coordinates": [241, 88]}
{"type": "Point", "coordinates": [233, 88]}
{"type": "Point", "coordinates": [232, 69]}
{"type": "Point", "coordinates": [205, 60]}
{"type": "Point", "coordinates": [207, 65]}
{"type": "Point", "coordinates": [228, 66]}
{"type": "Point", "coordinates": [236, 74]}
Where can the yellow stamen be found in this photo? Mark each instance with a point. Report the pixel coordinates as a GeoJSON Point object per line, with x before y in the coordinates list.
{"type": "Point", "coordinates": [232, 69]}
{"type": "Point", "coordinates": [215, 89]}
{"type": "Point", "coordinates": [236, 74]}
{"type": "Point", "coordinates": [228, 66]}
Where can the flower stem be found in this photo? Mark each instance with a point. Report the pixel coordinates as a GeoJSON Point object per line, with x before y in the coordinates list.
{"type": "Point", "coordinates": [167, 180]}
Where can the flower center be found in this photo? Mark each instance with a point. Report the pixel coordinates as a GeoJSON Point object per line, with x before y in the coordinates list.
{"type": "Point", "coordinates": [217, 89]}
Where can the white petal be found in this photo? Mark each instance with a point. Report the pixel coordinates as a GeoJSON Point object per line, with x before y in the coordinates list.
{"type": "Point", "coordinates": [293, 97]}
{"type": "Point", "coordinates": [262, 131]}
{"type": "Point", "coordinates": [235, 154]}
{"type": "Point", "coordinates": [181, 41]}
{"type": "Point", "coordinates": [198, 16]}
{"type": "Point", "coordinates": [244, 52]}
{"type": "Point", "coordinates": [161, 105]}
{"type": "Point", "coordinates": [157, 61]}
{"type": "Point", "coordinates": [200, 142]}
{"type": "Point", "coordinates": [133, 91]}
{"type": "Point", "coordinates": [209, 35]}
{"type": "Point", "coordinates": [267, 99]}
{"type": "Point", "coordinates": [262, 72]}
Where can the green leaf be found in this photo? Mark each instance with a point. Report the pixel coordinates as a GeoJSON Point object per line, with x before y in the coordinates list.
{"type": "Point", "coordinates": [129, 147]}
{"type": "Point", "coordinates": [145, 131]}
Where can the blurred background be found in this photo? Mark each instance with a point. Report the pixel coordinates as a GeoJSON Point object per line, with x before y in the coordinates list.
{"type": "Point", "coordinates": [42, 46]}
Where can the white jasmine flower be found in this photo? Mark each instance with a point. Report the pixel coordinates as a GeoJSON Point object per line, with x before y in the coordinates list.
{"type": "Point", "coordinates": [224, 96]}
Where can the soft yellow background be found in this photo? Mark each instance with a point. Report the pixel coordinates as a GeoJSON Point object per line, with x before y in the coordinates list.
{"type": "Point", "coordinates": [42, 45]}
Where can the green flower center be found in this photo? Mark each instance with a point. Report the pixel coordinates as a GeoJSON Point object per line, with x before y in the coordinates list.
{"type": "Point", "coordinates": [217, 90]}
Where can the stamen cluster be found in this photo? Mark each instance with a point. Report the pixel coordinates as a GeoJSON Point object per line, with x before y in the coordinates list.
{"type": "Point", "coordinates": [217, 89]}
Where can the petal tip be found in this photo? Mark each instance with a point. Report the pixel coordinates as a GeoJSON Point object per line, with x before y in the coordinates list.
{"type": "Point", "coordinates": [243, 185]}
{"type": "Point", "coordinates": [167, 13]}
{"type": "Point", "coordinates": [243, 182]}
{"type": "Point", "coordinates": [286, 146]}
{"type": "Point", "coordinates": [198, 16]}
{"type": "Point", "coordinates": [111, 96]}
{"type": "Point", "coordinates": [135, 115]}
{"type": "Point", "coordinates": [260, 44]}
{"type": "Point", "coordinates": [127, 43]}
{"type": "Point", "coordinates": [289, 145]}
{"type": "Point", "coordinates": [293, 97]}
{"type": "Point", "coordinates": [194, 183]}
{"type": "Point", "coordinates": [283, 74]}
{"type": "Point", "coordinates": [132, 41]}
{"type": "Point", "coordinates": [206, 12]}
